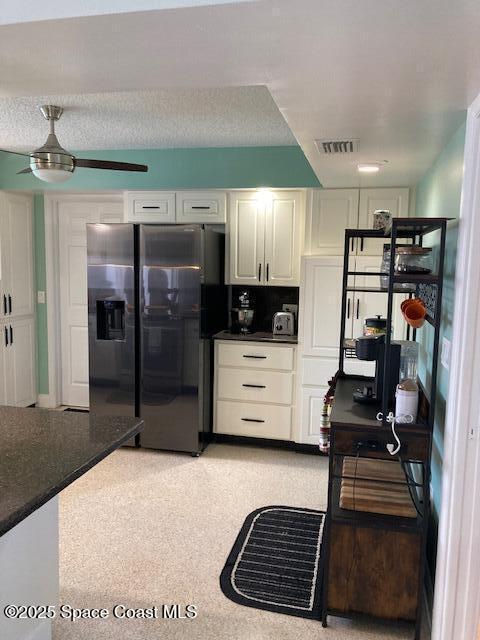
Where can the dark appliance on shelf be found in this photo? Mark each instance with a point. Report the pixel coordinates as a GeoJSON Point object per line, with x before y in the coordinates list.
{"type": "Point", "coordinates": [155, 298]}
{"type": "Point", "coordinates": [242, 315]}
{"type": "Point", "coordinates": [372, 347]}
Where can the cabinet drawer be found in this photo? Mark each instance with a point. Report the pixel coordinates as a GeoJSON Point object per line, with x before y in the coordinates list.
{"type": "Point", "coordinates": [150, 206]}
{"type": "Point", "coordinates": [202, 207]}
{"type": "Point", "coordinates": [253, 420]}
{"type": "Point", "coordinates": [255, 355]}
{"type": "Point", "coordinates": [256, 386]}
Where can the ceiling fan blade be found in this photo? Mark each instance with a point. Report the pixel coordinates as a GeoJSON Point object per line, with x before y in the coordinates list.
{"type": "Point", "coordinates": [110, 164]}
{"type": "Point", "coordinates": [17, 153]}
{"type": "Point", "coordinates": [27, 170]}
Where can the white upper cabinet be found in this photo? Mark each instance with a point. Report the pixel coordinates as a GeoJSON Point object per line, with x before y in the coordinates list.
{"type": "Point", "coordinates": [329, 213]}
{"type": "Point", "coordinates": [16, 250]}
{"type": "Point", "coordinates": [264, 235]}
{"type": "Point", "coordinates": [246, 236]}
{"type": "Point", "coordinates": [282, 239]}
{"type": "Point", "coordinates": [201, 206]}
{"type": "Point", "coordinates": [181, 207]}
{"type": "Point", "coordinates": [394, 200]}
{"type": "Point", "coordinates": [150, 206]}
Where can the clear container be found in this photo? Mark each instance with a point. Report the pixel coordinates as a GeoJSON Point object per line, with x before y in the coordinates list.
{"type": "Point", "coordinates": [408, 359]}
{"type": "Point", "coordinates": [413, 259]}
{"type": "Point", "coordinates": [385, 267]}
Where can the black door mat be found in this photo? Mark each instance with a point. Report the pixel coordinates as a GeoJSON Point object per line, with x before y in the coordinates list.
{"type": "Point", "coordinates": [275, 563]}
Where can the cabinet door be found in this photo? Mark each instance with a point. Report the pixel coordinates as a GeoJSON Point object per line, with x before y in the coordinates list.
{"type": "Point", "coordinates": [4, 367]}
{"type": "Point", "coordinates": [150, 206]}
{"type": "Point", "coordinates": [329, 213]}
{"type": "Point", "coordinates": [369, 305]}
{"type": "Point", "coordinates": [311, 399]}
{"type": "Point", "coordinates": [22, 362]}
{"type": "Point", "coordinates": [282, 238]}
{"type": "Point", "coordinates": [393, 199]}
{"type": "Point", "coordinates": [17, 255]}
{"type": "Point", "coordinates": [320, 307]}
{"type": "Point", "coordinates": [246, 237]}
{"type": "Point", "coordinates": [201, 206]}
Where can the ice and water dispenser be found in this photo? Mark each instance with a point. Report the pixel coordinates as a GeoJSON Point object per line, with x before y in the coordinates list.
{"type": "Point", "coordinates": [110, 320]}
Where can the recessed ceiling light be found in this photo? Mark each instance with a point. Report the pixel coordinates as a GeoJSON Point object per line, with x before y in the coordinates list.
{"type": "Point", "coordinates": [368, 168]}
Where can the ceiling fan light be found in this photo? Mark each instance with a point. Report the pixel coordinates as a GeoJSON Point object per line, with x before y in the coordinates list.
{"type": "Point", "coordinates": [52, 175]}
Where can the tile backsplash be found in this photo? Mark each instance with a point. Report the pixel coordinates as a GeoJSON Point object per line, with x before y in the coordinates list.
{"type": "Point", "coordinates": [265, 301]}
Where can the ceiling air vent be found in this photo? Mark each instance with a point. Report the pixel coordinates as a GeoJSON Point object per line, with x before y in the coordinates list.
{"type": "Point", "coordinates": [328, 147]}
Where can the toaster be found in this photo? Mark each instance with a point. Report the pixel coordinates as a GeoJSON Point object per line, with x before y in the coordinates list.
{"type": "Point", "coordinates": [283, 324]}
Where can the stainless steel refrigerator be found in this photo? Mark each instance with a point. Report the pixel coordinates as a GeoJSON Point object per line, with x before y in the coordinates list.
{"type": "Point", "coordinates": [155, 298]}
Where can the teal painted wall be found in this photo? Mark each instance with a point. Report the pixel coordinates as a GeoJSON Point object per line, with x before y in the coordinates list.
{"type": "Point", "coordinates": [235, 168]}
{"type": "Point", "coordinates": [41, 285]}
{"type": "Point", "coordinates": [219, 167]}
{"type": "Point", "coordinates": [439, 194]}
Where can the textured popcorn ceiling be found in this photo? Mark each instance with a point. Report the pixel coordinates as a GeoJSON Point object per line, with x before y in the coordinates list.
{"type": "Point", "coordinates": [226, 117]}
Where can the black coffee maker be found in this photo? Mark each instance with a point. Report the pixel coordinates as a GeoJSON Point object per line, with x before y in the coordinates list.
{"type": "Point", "coordinates": [372, 348]}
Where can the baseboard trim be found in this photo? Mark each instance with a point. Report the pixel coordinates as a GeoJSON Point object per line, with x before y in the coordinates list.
{"type": "Point", "coordinates": [224, 438]}
{"type": "Point", "coordinates": [46, 401]}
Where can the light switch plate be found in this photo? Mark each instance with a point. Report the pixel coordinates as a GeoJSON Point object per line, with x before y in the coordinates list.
{"type": "Point", "coordinates": [41, 297]}
{"type": "Point", "coordinates": [446, 353]}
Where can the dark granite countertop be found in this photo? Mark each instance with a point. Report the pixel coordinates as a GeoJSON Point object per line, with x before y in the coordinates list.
{"type": "Point", "coordinates": [257, 336]}
{"type": "Point", "coordinates": [42, 451]}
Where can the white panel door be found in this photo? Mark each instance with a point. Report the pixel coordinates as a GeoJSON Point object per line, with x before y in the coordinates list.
{"type": "Point", "coordinates": [73, 216]}
{"type": "Point", "coordinates": [311, 408]}
{"type": "Point", "coordinates": [331, 211]}
{"type": "Point", "coordinates": [320, 307]}
{"type": "Point", "coordinates": [16, 255]}
{"type": "Point", "coordinates": [246, 237]}
{"type": "Point", "coordinates": [282, 239]}
{"type": "Point", "coordinates": [22, 392]}
{"type": "Point", "coordinates": [393, 199]}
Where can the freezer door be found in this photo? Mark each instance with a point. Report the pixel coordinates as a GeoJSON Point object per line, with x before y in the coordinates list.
{"type": "Point", "coordinates": [111, 318]}
{"type": "Point", "coordinates": [170, 263]}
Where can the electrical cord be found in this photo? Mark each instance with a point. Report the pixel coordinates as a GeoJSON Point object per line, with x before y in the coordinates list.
{"type": "Point", "coordinates": [391, 448]}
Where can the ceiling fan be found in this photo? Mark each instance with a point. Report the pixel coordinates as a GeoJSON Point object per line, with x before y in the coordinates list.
{"type": "Point", "coordinates": [52, 163]}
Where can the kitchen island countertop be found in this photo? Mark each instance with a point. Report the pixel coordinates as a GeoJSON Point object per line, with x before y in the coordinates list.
{"type": "Point", "coordinates": [42, 451]}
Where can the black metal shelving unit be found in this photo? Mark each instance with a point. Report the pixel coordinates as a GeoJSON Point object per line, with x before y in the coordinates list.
{"type": "Point", "coordinates": [360, 422]}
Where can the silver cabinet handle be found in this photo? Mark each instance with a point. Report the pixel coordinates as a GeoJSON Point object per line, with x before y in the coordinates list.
{"type": "Point", "coordinates": [6, 336]}
{"type": "Point", "coordinates": [255, 357]}
{"type": "Point", "coordinates": [11, 335]}
{"type": "Point", "coordinates": [268, 271]}
{"type": "Point", "coordinates": [361, 244]}
{"type": "Point", "coordinates": [358, 307]}
{"type": "Point", "coordinates": [5, 305]}
{"type": "Point", "coordinates": [146, 206]}
{"type": "Point", "coordinates": [348, 308]}
{"type": "Point", "coordinates": [205, 207]}
{"type": "Point", "coordinates": [252, 420]}
{"type": "Point", "coordinates": [259, 271]}
{"type": "Point", "coordinates": [254, 386]}
{"type": "Point", "coordinates": [9, 304]}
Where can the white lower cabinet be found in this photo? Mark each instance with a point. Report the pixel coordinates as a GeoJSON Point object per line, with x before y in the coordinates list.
{"type": "Point", "coordinates": [17, 363]}
{"type": "Point", "coordinates": [254, 389]}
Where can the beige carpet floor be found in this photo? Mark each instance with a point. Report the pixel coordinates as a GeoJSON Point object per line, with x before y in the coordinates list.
{"type": "Point", "coordinates": [146, 528]}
